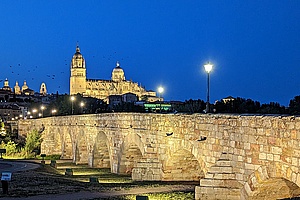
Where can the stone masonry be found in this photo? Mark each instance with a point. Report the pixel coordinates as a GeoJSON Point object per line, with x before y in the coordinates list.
{"type": "Point", "coordinates": [231, 155]}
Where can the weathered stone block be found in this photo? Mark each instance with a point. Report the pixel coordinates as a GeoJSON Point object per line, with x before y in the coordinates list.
{"type": "Point", "coordinates": [215, 169]}
{"type": "Point", "coordinates": [270, 157]}
{"type": "Point", "coordinates": [262, 156]}
{"type": "Point", "coordinates": [224, 176]}
{"type": "Point", "coordinates": [276, 150]}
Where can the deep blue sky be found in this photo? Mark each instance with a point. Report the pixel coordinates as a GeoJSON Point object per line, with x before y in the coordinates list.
{"type": "Point", "coordinates": [254, 45]}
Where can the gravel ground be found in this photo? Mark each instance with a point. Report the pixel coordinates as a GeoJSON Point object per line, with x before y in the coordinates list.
{"type": "Point", "coordinates": [47, 182]}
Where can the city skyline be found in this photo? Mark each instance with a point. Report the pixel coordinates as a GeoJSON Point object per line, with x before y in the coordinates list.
{"type": "Point", "coordinates": [254, 45]}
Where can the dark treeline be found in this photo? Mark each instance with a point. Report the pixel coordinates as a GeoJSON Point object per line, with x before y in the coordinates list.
{"type": "Point", "coordinates": [240, 105]}
{"type": "Point", "coordinates": [63, 106]}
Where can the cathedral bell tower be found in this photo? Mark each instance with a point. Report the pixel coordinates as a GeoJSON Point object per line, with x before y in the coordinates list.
{"type": "Point", "coordinates": [78, 74]}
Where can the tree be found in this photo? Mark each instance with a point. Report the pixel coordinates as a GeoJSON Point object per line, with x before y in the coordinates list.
{"type": "Point", "coordinates": [33, 142]}
{"type": "Point", "coordinates": [190, 106]}
{"type": "Point", "coordinates": [294, 106]}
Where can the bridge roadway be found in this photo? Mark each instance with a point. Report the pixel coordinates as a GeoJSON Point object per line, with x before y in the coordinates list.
{"type": "Point", "coordinates": [232, 156]}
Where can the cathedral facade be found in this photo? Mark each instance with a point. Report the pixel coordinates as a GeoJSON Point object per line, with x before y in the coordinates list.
{"type": "Point", "coordinates": [102, 89]}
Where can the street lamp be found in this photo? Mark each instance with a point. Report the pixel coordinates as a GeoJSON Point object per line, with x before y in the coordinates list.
{"type": "Point", "coordinates": [42, 108]}
{"type": "Point", "coordinates": [34, 111]}
{"type": "Point", "coordinates": [208, 67]}
{"type": "Point", "coordinates": [81, 105]}
{"type": "Point", "coordinates": [53, 111]}
{"type": "Point", "coordinates": [72, 100]}
{"type": "Point", "coordinates": [160, 91]}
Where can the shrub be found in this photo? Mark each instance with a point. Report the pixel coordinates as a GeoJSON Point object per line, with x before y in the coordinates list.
{"type": "Point", "coordinates": [33, 141]}
{"type": "Point", "coordinates": [10, 146]}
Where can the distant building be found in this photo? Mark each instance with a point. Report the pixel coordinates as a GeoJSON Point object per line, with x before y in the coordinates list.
{"type": "Point", "coordinates": [10, 111]}
{"type": "Point", "coordinates": [14, 102]}
{"type": "Point", "coordinates": [24, 91]}
{"type": "Point", "coordinates": [129, 97]}
{"type": "Point", "coordinates": [43, 89]}
{"type": "Point", "coordinates": [121, 99]}
{"type": "Point", "coordinates": [115, 100]}
{"type": "Point", "coordinates": [228, 99]}
{"type": "Point", "coordinates": [102, 89]}
{"type": "Point", "coordinates": [6, 86]}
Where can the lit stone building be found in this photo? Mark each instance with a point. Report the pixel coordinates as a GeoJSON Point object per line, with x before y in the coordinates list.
{"type": "Point", "coordinates": [102, 89]}
{"type": "Point", "coordinates": [25, 90]}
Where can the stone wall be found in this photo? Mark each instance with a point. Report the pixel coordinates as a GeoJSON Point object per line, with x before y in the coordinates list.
{"type": "Point", "coordinates": [233, 155]}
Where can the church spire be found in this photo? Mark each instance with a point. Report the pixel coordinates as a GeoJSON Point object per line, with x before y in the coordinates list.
{"type": "Point", "coordinates": [77, 47]}
{"type": "Point", "coordinates": [117, 64]}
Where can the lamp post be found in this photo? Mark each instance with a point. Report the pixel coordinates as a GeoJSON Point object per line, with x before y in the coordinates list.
{"type": "Point", "coordinates": [34, 111]}
{"type": "Point", "coordinates": [208, 67]}
{"type": "Point", "coordinates": [42, 108]}
{"type": "Point", "coordinates": [160, 91]}
{"type": "Point", "coordinates": [53, 112]}
{"type": "Point", "coordinates": [72, 100]}
{"type": "Point", "coordinates": [81, 106]}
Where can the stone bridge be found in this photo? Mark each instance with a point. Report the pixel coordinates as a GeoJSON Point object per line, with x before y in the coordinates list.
{"type": "Point", "coordinates": [233, 156]}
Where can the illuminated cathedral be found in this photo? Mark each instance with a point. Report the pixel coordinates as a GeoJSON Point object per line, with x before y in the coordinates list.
{"type": "Point", "coordinates": [102, 89]}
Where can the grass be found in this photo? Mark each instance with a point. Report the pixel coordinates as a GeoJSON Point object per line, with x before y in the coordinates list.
{"type": "Point", "coordinates": [156, 196]}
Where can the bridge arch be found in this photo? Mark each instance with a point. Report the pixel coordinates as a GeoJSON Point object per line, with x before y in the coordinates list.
{"type": "Point", "coordinates": [182, 165]}
{"type": "Point", "coordinates": [101, 152]}
{"type": "Point", "coordinates": [132, 150]}
{"type": "Point", "coordinates": [66, 145]}
{"type": "Point", "coordinates": [52, 141]}
{"type": "Point", "coordinates": [181, 162]}
{"type": "Point", "coordinates": [81, 148]}
{"type": "Point", "coordinates": [279, 184]}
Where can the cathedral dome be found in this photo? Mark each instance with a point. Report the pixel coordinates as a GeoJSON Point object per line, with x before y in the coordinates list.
{"type": "Point", "coordinates": [118, 68]}
{"type": "Point", "coordinates": [118, 73]}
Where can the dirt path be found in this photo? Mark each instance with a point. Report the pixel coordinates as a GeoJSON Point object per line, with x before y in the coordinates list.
{"type": "Point", "coordinates": [15, 166]}
{"type": "Point", "coordinates": [92, 195]}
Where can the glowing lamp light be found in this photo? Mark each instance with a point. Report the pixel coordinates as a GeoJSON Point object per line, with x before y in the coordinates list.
{"type": "Point", "coordinates": [72, 100]}
{"type": "Point", "coordinates": [208, 67]}
{"type": "Point", "coordinates": [160, 90]}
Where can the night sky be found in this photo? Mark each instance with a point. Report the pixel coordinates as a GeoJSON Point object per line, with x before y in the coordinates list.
{"type": "Point", "coordinates": [254, 45]}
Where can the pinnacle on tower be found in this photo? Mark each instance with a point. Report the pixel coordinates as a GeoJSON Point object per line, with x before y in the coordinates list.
{"type": "Point", "coordinates": [77, 47]}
